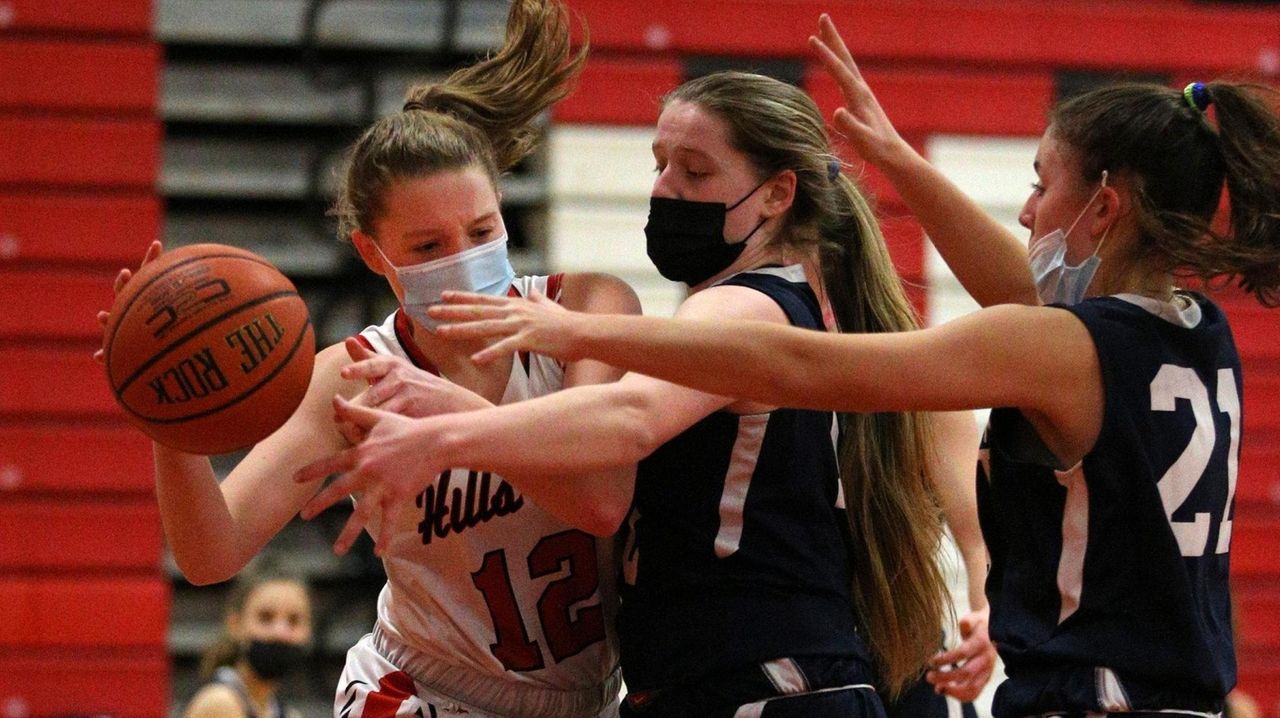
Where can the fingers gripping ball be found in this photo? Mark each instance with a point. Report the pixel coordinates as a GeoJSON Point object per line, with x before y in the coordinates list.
{"type": "Point", "coordinates": [209, 348]}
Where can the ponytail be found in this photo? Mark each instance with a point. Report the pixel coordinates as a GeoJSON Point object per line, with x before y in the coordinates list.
{"type": "Point", "coordinates": [885, 461]}
{"type": "Point", "coordinates": [1179, 164]}
{"type": "Point", "coordinates": [1250, 137]}
{"type": "Point", "coordinates": [502, 95]}
{"type": "Point", "coordinates": [482, 116]}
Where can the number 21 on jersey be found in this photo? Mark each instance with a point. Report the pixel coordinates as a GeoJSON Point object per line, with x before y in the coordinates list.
{"type": "Point", "coordinates": [1180, 480]}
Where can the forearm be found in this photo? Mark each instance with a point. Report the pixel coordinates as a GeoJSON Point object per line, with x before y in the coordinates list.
{"type": "Point", "coordinates": [576, 431]}
{"type": "Point", "coordinates": [988, 260]}
{"type": "Point", "coordinates": [594, 502]}
{"type": "Point", "coordinates": [757, 361]}
{"type": "Point", "coordinates": [954, 474]}
{"type": "Point", "coordinates": [198, 525]}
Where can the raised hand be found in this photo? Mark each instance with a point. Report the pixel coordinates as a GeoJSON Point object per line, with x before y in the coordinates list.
{"type": "Point", "coordinates": [153, 250]}
{"type": "Point", "coordinates": [963, 671]}
{"type": "Point", "coordinates": [386, 470]}
{"type": "Point", "coordinates": [535, 324]}
{"type": "Point", "coordinates": [862, 121]}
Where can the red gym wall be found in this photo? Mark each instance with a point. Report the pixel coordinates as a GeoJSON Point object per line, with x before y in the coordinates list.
{"type": "Point", "coordinates": [980, 67]}
{"type": "Point", "coordinates": [84, 607]}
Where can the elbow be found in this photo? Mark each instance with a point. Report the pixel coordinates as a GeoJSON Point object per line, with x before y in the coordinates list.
{"type": "Point", "coordinates": [603, 517]}
{"type": "Point", "coordinates": [637, 431]}
{"type": "Point", "coordinates": [205, 570]}
{"type": "Point", "coordinates": [202, 576]}
{"type": "Point", "coordinates": [610, 509]}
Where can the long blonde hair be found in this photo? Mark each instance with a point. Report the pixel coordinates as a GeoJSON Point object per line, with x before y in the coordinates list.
{"type": "Point", "coordinates": [482, 115]}
{"type": "Point", "coordinates": [885, 459]}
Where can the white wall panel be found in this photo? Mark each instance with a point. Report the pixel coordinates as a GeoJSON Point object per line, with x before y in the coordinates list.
{"type": "Point", "coordinates": [599, 181]}
{"type": "Point", "coordinates": [997, 173]}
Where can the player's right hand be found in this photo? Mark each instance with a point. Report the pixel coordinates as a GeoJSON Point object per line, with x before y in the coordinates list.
{"type": "Point", "coordinates": [391, 465]}
{"type": "Point", "coordinates": [153, 251]}
{"type": "Point", "coordinates": [507, 324]}
{"type": "Point", "coordinates": [862, 121]}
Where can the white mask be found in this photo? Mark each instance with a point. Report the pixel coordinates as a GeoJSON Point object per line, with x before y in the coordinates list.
{"type": "Point", "coordinates": [1056, 281]}
{"type": "Point", "coordinates": [484, 270]}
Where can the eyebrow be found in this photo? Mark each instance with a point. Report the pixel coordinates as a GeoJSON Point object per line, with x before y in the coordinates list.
{"type": "Point", "coordinates": [433, 232]}
{"type": "Point", "coordinates": [681, 148]}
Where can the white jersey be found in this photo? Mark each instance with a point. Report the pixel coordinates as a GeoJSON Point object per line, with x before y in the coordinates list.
{"type": "Point", "coordinates": [489, 597]}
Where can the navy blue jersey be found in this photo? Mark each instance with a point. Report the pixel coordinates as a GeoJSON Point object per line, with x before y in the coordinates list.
{"type": "Point", "coordinates": [1108, 581]}
{"type": "Point", "coordinates": [739, 551]}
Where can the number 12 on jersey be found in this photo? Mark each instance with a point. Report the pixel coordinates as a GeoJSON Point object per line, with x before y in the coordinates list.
{"type": "Point", "coordinates": [566, 636]}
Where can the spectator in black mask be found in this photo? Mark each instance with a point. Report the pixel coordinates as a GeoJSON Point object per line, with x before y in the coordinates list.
{"type": "Point", "coordinates": [267, 631]}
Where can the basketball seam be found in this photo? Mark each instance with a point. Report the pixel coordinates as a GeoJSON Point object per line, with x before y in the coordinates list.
{"type": "Point", "coordinates": [175, 343]}
{"type": "Point", "coordinates": [125, 310]}
{"type": "Point", "coordinates": [235, 400]}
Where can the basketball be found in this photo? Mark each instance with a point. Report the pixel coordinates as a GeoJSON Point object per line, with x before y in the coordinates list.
{"type": "Point", "coordinates": [208, 348]}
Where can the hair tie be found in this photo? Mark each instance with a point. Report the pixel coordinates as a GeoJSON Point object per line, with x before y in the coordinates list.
{"type": "Point", "coordinates": [1197, 95]}
{"type": "Point", "coordinates": [833, 170]}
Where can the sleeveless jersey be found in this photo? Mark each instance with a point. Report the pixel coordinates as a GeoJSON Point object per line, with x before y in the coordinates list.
{"type": "Point", "coordinates": [738, 546]}
{"type": "Point", "coordinates": [1108, 581]}
{"type": "Point", "coordinates": [227, 676]}
{"type": "Point", "coordinates": [481, 582]}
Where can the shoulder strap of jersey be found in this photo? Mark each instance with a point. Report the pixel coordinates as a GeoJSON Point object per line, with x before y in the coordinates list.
{"type": "Point", "coordinates": [227, 676]}
{"type": "Point", "coordinates": [796, 299]}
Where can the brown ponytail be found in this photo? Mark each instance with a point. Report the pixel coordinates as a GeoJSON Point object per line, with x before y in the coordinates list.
{"type": "Point", "coordinates": [482, 115]}
{"type": "Point", "coordinates": [1179, 163]}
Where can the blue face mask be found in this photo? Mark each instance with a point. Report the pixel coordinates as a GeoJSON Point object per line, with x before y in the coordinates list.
{"type": "Point", "coordinates": [1056, 281]}
{"type": "Point", "coordinates": [484, 270]}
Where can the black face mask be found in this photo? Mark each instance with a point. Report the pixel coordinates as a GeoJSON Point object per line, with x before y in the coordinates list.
{"type": "Point", "coordinates": [272, 659]}
{"type": "Point", "coordinates": [685, 239]}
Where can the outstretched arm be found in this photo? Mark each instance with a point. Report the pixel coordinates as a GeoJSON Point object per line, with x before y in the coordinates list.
{"type": "Point", "coordinates": [988, 260]}
{"type": "Point", "coordinates": [1001, 356]}
{"type": "Point", "coordinates": [584, 429]}
{"type": "Point", "coordinates": [595, 501]}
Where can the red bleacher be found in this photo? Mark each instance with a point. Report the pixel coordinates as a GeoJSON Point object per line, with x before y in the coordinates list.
{"type": "Point", "coordinates": [33, 314]}
{"type": "Point", "coordinates": [103, 231]}
{"type": "Point", "coordinates": [50, 534]}
{"type": "Point", "coordinates": [106, 683]}
{"type": "Point", "coordinates": [58, 153]}
{"type": "Point", "coordinates": [1133, 35]}
{"type": "Point", "coordinates": [109, 457]}
{"type": "Point", "coordinates": [78, 77]}
{"type": "Point", "coordinates": [84, 605]}
{"type": "Point", "coordinates": [79, 18]}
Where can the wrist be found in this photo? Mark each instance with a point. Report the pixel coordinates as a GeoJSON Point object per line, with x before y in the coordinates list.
{"type": "Point", "coordinates": [898, 158]}
{"type": "Point", "coordinates": [582, 331]}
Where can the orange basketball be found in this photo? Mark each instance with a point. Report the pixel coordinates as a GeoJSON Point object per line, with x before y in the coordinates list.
{"type": "Point", "coordinates": [209, 348]}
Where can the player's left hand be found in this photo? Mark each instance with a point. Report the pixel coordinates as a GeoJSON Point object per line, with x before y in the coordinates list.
{"type": "Point", "coordinates": [387, 469]}
{"type": "Point", "coordinates": [535, 324]}
{"type": "Point", "coordinates": [963, 671]}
